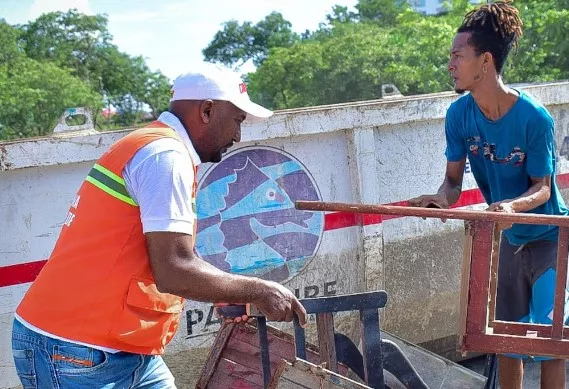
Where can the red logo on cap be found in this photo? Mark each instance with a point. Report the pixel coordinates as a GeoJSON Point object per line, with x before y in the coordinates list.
{"type": "Point", "coordinates": [242, 88]}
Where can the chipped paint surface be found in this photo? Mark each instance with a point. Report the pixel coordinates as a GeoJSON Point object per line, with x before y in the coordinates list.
{"type": "Point", "coordinates": [55, 150]}
{"type": "Point", "coordinates": [368, 152]}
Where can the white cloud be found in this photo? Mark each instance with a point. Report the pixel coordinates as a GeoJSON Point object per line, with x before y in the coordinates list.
{"type": "Point", "coordinates": [40, 7]}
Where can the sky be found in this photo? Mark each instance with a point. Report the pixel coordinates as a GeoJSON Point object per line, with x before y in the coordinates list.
{"type": "Point", "coordinates": [171, 34]}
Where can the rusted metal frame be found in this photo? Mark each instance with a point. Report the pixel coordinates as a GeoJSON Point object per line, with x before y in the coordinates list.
{"type": "Point", "coordinates": [478, 329]}
{"type": "Point", "coordinates": [484, 216]}
{"type": "Point", "coordinates": [494, 260]}
{"type": "Point", "coordinates": [560, 284]}
{"type": "Point", "coordinates": [464, 282]}
{"type": "Point", "coordinates": [326, 341]}
{"type": "Point", "coordinates": [479, 280]}
{"type": "Point", "coordinates": [512, 344]}
{"type": "Point", "coordinates": [523, 329]}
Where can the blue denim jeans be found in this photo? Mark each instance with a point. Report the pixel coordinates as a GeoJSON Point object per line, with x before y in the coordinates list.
{"type": "Point", "coordinates": [46, 363]}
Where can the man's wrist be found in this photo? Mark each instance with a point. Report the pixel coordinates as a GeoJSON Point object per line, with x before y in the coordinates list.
{"type": "Point", "coordinates": [443, 199]}
{"type": "Point", "coordinates": [257, 289]}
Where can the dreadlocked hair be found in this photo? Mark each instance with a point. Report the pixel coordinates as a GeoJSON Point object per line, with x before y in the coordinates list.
{"type": "Point", "coordinates": [495, 28]}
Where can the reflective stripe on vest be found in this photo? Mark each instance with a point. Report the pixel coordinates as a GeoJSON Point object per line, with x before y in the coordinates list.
{"type": "Point", "coordinates": [110, 183]}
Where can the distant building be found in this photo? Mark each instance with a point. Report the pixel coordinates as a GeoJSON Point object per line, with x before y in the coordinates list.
{"type": "Point", "coordinates": [431, 7]}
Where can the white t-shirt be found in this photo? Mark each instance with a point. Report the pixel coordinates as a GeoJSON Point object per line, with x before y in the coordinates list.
{"type": "Point", "coordinates": [159, 178]}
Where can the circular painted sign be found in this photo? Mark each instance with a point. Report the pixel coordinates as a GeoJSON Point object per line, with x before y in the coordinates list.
{"type": "Point", "coordinates": [247, 222]}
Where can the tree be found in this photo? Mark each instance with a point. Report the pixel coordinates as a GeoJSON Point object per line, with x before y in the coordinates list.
{"type": "Point", "coordinates": [82, 46]}
{"type": "Point", "coordinates": [238, 43]}
{"type": "Point", "coordinates": [543, 52]}
{"type": "Point", "coordinates": [157, 93]}
{"type": "Point", "coordinates": [9, 49]}
{"type": "Point", "coordinates": [64, 60]}
{"type": "Point", "coordinates": [347, 60]}
{"type": "Point", "coordinates": [354, 61]}
{"type": "Point", "coordinates": [341, 14]}
{"type": "Point", "coordinates": [34, 95]}
{"type": "Point", "coordinates": [69, 40]}
{"type": "Point", "coordinates": [129, 84]}
{"type": "Point", "coordinates": [384, 12]}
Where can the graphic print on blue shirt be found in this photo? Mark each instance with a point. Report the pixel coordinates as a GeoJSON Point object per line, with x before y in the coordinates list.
{"type": "Point", "coordinates": [505, 154]}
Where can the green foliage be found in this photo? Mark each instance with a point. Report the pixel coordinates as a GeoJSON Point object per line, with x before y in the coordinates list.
{"type": "Point", "coordinates": [543, 52]}
{"type": "Point", "coordinates": [63, 60]}
{"type": "Point", "coordinates": [69, 40]}
{"type": "Point", "coordinates": [238, 43]}
{"type": "Point", "coordinates": [35, 94]}
{"type": "Point", "coordinates": [383, 12]}
{"type": "Point", "coordinates": [10, 51]}
{"type": "Point", "coordinates": [353, 54]}
{"type": "Point", "coordinates": [354, 61]}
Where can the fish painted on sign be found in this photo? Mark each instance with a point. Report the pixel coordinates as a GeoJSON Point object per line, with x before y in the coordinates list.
{"type": "Point", "coordinates": [256, 229]}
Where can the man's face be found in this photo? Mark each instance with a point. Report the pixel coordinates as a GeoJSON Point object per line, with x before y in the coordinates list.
{"type": "Point", "coordinates": [224, 128]}
{"type": "Point", "coordinates": [465, 67]}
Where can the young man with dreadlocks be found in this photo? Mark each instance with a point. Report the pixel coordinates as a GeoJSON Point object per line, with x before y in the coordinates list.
{"type": "Point", "coordinates": [508, 138]}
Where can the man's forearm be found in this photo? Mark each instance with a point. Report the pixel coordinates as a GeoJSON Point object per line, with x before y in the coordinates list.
{"type": "Point", "coordinates": [538, 194]}
{"type": "Point", "coordinates": [197, 280]}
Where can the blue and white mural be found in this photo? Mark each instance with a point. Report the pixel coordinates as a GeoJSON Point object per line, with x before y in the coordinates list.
{"type": "Point", "coordinates": [247, 223]}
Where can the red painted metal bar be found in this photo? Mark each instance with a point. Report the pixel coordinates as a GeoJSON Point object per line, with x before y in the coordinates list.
{"type": "Point", "coordinates": [511, 344]}
{"type": "Point", "coordinates": [519, 218]}
{"type": "Point", "coordinates": [494, 260]}
{"type": "Point", "coordinates": [560, 284]}
{"type": "Point", "coordinates": [521, 329]}
{"type": "Point", "coordinates": [483, 333]}
{"type": "Point", "coordinates": [476, 318]}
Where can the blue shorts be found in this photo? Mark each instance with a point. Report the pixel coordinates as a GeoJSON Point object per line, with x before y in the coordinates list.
{"type": "Point", "coordinates": [526, 284]}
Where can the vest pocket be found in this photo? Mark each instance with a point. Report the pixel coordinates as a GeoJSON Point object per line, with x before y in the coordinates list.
{"type": "Point", "coordinates": [149, 318]}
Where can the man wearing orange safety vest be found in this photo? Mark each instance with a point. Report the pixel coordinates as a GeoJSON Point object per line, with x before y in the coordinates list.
{"type": "Point", "coordinates": [109, 299]}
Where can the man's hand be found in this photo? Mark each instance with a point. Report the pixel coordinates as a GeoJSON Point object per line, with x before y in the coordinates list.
{"type": "Point", "coordinates": [504, 206]}
{"type": "Point", "coordinates": [501, 206]}
{"type": "Point", "coordinates": [231, 313]}
{"type": "Point", "coordinates": [276, 302]}
{"type": "Point", "coordinates": [430, 201]}
{"type": "Point", "coordinates": [279, 304]}
{"type": "Point", "coordinates": [448, 193]}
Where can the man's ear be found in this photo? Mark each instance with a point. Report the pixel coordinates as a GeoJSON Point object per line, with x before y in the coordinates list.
{"type": "Point", "coordinates": [488, 60]}
{"type": "Point", "coordinates": [205, 110]}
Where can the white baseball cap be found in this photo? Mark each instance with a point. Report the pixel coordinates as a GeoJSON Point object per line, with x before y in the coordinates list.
{"type": "Point", "coordinates": [217, 83]}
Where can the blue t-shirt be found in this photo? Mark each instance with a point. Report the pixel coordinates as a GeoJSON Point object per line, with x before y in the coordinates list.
{"type": "Point", "coordinates": [505, 153]}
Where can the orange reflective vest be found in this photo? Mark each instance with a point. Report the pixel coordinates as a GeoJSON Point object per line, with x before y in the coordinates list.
{"type": "Point", "coordinates": [97, 286]}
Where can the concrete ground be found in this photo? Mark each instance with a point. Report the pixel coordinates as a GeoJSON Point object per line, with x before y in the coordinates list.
{"type": "Point", "coordinates": [531, 371]}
